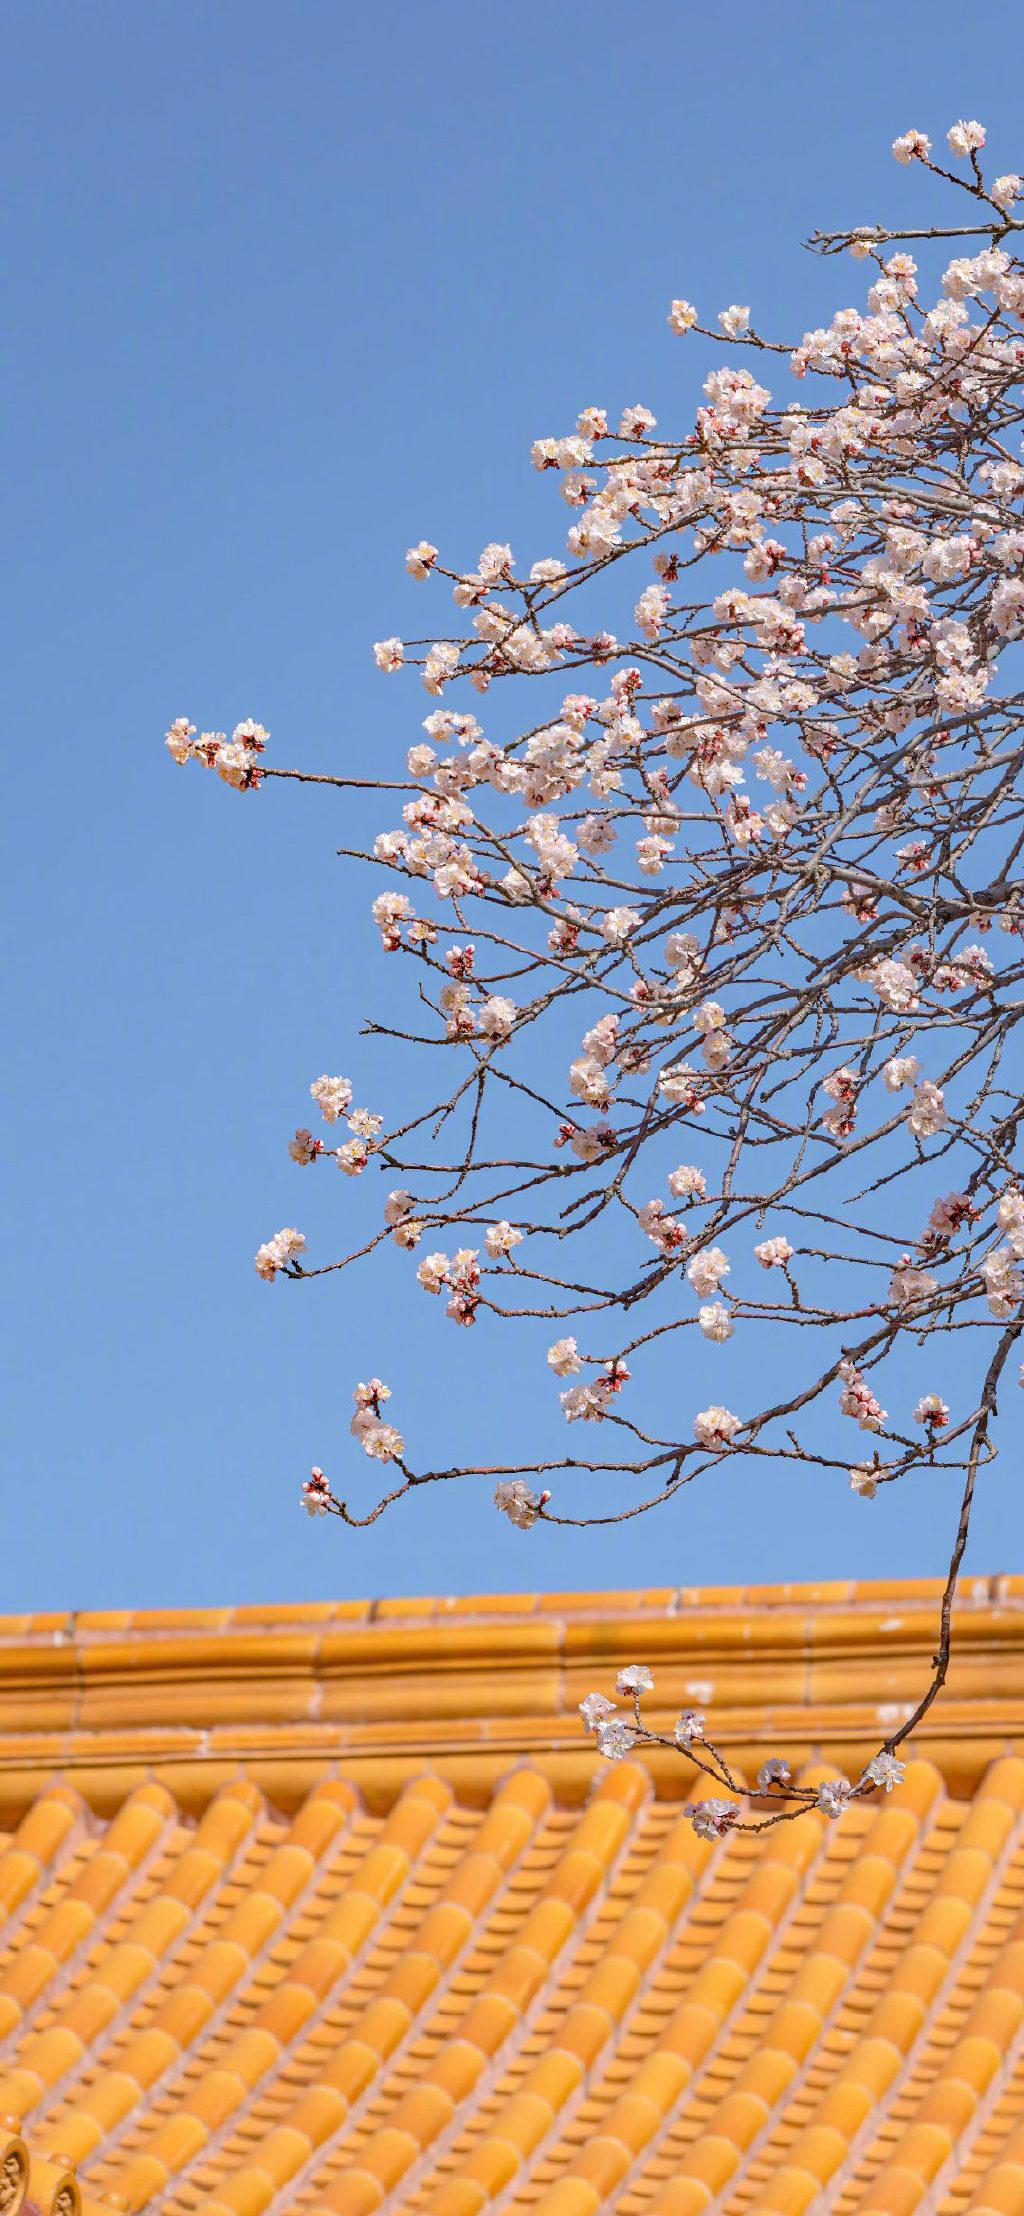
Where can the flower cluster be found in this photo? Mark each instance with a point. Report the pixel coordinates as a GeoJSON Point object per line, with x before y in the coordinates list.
{"type": "Point", "coordinates": [377, 1438]}
{"type": "Point", "coordinates": [279, 1253]}
{"type": "Point", "coordinates": [236, 760]}
{"type": "Point", "coordinates": [776, 1795]}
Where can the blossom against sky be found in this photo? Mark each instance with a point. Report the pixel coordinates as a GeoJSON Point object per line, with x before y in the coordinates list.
{"type": "Point", "coordinates": [294, 292]}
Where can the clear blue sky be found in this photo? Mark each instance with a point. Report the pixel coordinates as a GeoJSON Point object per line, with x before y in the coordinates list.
{"type": "Point", "coordinates": [292, 286]}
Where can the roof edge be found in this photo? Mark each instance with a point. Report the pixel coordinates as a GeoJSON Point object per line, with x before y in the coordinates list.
{"type": "Point", "coordinates": [469, 1688]}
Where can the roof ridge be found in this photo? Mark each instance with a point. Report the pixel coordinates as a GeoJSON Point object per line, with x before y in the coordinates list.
{"type": "Point", "coordinates": [76, 1628]}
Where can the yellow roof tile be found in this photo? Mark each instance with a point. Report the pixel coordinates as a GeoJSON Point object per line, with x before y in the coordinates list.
{"type": "Point", "coordinates": [322, 1911]}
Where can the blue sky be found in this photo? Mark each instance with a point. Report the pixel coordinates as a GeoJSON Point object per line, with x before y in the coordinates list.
{"type": "Point", "coordinates": [292, 287]}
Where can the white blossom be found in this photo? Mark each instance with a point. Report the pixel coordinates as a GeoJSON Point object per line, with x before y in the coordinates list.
{"type": "Point", "coordinates": [711, 1819]}
{"type": "Point", "coordinates": [615, 1738]}
{"type": "Point", "coordinates": [419, 562]}
{"type": "Point", "coordinates": [734, 321]}
{"type": "Point", "coordinates": [687, 1183]}
{"type": "Point", "coordinates": [433, 1272]}
{"type": "Point", "coordinates": [883, 1769]}
{"type": "Point", "coordinates": [965, 138]}
{"type": "Point", "coordinates": [514, 1499]}
{"type": "Point", "coordinates": [715, 1427]}
{"type": "Point", "coordinates": [563, 1358]}
{"type": "Point", "coordinates": [864, 1480]}
{"type": "Point", "coordinates": [333, 1097]}
{"type": "Point", "coordinates": [500, 1238]}
{"type": "Point", "coordinates": [926, 1114]}
{"type": "Point", "coordinates": [901, 1070]}
{"type": "Point", "coordinates": [706, 1270]}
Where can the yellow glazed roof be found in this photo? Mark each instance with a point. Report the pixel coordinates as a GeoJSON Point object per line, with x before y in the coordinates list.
{"type": "Point", "coordinates": [333, 1910]}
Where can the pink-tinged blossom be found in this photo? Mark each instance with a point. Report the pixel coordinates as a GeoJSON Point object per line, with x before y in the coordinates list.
{"type": "Point", "coordinates": [912, 146]}
{"type": "Point", "coordinates": [681, 1085]}
{"type": "Point", "coordinates": [179, 739]}
{"type": "Point", "coordinates": [390, 911]}
{"type": "Point", "coordinates": [304, 1148]}
{"type": "Point", "coordinates": [352, 1157]}
{"type": "Point", "coordinates": [711, 1819]}
{"type": "Point", "coordinates": [420, 560]}
{"type": "Point", "coordinates": [250, 735]}
{"type": "Point", "coordinates": [689, 1729]}
{"type": "Point", "coordinates": [933, 1411]}
{"type": "Point", "coordinates": [895, 985]}
{"type": "Point", "coordinates": [433, 1272]}
{"type": "Point", "coordinates": [634, 422]}
{"type": "Point", "coordinates": [378, 1439]}
{"type": "Point", "coordinates": [635, 1678]}
{"type": "Point", "coordinates": [398, 1206]}
{"type": "Point", "coordinates": [277, 1253]}
{"type": "Point", "coordinates": [666, 1234]}
{"type": "Point", "coordinates": [841, 1088]}
{"type": "Point", "coordinates": [908, 1284]}
{"type": "Point", "coordinates": [570, 453]}
{"type": "Point", "coordinates": [1004, 1283]}
{"type": "Point", "coordinates": [946, 1216]}
{"type": "Point", "coordinates": [618, 923]}
{"type": "Point", "coordinates": [464, 1283]}
{"type": "Point", "coordinates": [773, 1254]}
{"type": "Point", "coordinates": [389, 654]}
{"type": "Point", "coordinates": [651, 611]}
{"type": "Point", "coordinates": [237, 766]}
{"type": "Point", "coordinates": [595, 1708]}
{"type": "Point", "coordinates": [857, 1400]}
{"type": "Point", "coordinates": [682, 316]}
{"type": "Point", "coordinates": [864, 1480]}
{"type": "Point", "coordinates": [734, 321]}
{"type": "Point", "coordinates": [1010, 1217]}
{"type": "Point", "coordinates": [834, 1795]}
{"type": "Point", "coordinates": [774, 1772]}
{"type": "Point", "coordinates": [316, 1493]}
{"type": "Point", "coordinates": [497, 1017]}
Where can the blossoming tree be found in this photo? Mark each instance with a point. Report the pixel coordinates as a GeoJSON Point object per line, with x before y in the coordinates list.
{"type": "Point", "coordinates": [730, 924]}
